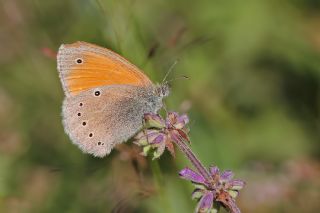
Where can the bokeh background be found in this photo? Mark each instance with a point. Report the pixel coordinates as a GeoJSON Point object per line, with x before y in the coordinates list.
{"type": "Point", "coordinates": [253, 97]}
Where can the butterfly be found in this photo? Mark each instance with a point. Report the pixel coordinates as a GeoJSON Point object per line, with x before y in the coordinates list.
{"type": "Point", "coordinates": [106, 97]}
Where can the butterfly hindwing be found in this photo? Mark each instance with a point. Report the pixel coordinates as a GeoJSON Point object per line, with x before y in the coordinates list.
{"type": "Point", "coordinates": [98, 119]}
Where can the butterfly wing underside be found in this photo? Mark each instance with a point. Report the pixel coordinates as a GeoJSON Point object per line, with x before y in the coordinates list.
{"type": "Point", "coordinates": [83, 66]}
{"type": "Point", "coordinates": [97, 123]}
{"type": "Point", "coordinates": [106, 97]}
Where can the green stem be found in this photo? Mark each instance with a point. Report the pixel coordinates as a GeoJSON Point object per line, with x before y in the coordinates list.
{"type": "Point", "coordinates": [159, 182]}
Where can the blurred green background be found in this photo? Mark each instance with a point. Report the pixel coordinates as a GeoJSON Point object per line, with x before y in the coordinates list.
{"type": "Point", "coordinates": [253, 97]}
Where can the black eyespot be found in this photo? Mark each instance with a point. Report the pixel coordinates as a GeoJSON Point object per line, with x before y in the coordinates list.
{"type": "Point", "coordinates": [81, 104]}
{"type": "Point", "coordinates": [97, 93]}
{"type": "Point", "coordinates": [84, 123]}
{"type": "Point", "coordinates": [79, 61]}
{"type": "Point", "coordinates": [79, 114]}
{"type": "Point", "coordinates": [99, 143]}
{"type": "Point", "coordinates": [90, 135]}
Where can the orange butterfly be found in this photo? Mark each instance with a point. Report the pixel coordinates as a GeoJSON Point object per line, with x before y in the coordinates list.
{"type": "Point", "coordinates": [106, 97]}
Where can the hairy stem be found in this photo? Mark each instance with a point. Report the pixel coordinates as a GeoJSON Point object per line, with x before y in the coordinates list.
{"type": "Point", "coordinates": [192, 157]}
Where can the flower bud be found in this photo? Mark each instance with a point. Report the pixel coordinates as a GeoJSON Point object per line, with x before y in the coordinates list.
{"type": "Point", "coordinates": [154, 121]}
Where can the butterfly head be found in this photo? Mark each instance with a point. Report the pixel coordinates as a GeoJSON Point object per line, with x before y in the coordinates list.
{"type": "Point", "coordinates": [163, 90]}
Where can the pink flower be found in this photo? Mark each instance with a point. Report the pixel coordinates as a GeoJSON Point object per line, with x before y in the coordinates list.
{"type": "Point", "coordinates": [160, 134]}
{"type": "Point", "coordinates": [219, 190]}
{"type": "Point", "coordinates": [213, 189]}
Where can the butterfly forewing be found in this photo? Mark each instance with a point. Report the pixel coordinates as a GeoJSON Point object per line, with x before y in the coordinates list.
{"type": "Point", "coordinates": [83, 66]}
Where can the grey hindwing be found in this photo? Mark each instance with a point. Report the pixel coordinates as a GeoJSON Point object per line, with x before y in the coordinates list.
{"type": "Point", "coordinates": [98, 119]}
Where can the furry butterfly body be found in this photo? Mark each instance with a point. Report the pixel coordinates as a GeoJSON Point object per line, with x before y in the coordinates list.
{"type": "Point", "coordinates": [105, 97]}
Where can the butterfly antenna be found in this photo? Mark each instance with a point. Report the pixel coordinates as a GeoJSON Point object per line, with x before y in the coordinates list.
{"type": "Point", "coordinates": [170, 70]}
{"type": "Point", "coordinates": [179, 77]}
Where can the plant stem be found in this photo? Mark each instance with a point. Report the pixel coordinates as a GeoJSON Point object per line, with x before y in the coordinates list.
{"type": "Point", "coordinates": [159, 181]}
{"type": "Point", "coordinates": [192, 157]}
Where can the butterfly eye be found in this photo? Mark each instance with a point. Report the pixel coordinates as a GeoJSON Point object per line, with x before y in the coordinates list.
{"type": "Point", "coordinates": [79, 61]}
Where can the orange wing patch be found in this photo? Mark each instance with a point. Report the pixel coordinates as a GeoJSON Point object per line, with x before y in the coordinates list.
{"type": "Point", "coordinates": [83, 66]}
